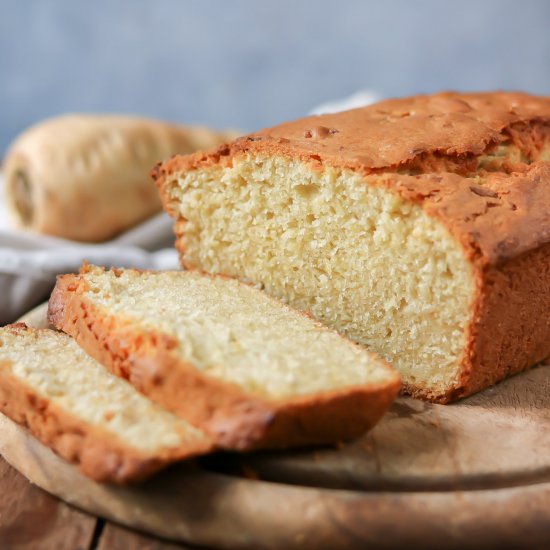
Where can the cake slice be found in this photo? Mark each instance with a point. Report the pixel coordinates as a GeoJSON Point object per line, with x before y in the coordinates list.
{"type": "Point", "coordinates": [419, 227]}
{"type": "Point", "coordinates": [225, 356]}
{"type": "Point", "coordinates": [85, 414]}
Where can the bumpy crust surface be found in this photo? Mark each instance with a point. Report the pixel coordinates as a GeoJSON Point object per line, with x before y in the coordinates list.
{"type": "Point", "coordinates": [427, 150]}
{"type": "Point", "coordinates": [98, 453]}
{"type": "Point", "coordinates": [237, 420]}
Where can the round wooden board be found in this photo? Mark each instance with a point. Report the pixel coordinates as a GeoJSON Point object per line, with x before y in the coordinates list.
{"type": "Point", "coordinates": [469, 475]}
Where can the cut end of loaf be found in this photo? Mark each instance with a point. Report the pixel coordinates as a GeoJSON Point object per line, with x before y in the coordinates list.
{"type": "Point", "coordinates": [340, 245]}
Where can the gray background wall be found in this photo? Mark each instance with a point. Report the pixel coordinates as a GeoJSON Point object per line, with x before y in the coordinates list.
{"type": "Point", "coordinates": [252, 63]}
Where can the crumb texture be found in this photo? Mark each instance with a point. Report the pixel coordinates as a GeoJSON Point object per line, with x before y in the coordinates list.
{"type": "Point", "coordinates": [57, 369]}
{"type": "Point", "coordinates": [355, 255]}
{"type": "Point", "coordinates": [235, 333]}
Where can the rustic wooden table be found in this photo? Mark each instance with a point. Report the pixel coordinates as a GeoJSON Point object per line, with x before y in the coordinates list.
{"type": "Point", "coordinates": [32, 519]}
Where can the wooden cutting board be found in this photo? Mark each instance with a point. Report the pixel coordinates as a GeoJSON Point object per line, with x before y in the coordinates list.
{"type": "Point", "coordinates": [469, 475]}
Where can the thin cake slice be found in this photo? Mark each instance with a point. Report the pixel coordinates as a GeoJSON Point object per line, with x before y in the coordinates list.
{"type": "Point", "coordinates": [225, 356]}
{"type": "Point", "coordinates": [85, 414]}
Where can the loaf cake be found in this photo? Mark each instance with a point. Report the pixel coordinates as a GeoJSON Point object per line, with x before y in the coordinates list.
{"type": "Point", "coordinates": [84, 177]}
{"type": "Point", "coordinates": [85, 414]}
{"type": "Point", "coordinates": [234, 362]}
{"type": "Point", "coordinates": [419, 227]}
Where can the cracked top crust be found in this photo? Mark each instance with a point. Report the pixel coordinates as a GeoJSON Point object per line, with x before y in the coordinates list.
{"type": "Point", "coordinates": [480, 163]}
{"type": "Point", "coordinates": [392, 134]}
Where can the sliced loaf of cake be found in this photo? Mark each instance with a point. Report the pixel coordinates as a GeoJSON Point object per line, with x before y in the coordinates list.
{"type": "Point", "coordinates": [419, 227]}
{"type": "Point", "coordinates": [85, 414]}
{"type": "Point", "coordinates": [225, 356]}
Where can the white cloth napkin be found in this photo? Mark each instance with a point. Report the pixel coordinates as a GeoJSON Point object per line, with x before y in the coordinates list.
{"type": "Point", "coordinates": [358, 99]}
{"type": "Point", "coordinates": [29, 262]}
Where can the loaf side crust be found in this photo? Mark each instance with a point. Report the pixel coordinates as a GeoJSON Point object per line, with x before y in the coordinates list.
{"type": "Point", "coordinates": [98, 453]}
{"type": "Point", "coordinates": [510, 327]}
{"type": "Point", "coordinates": [235, 419]}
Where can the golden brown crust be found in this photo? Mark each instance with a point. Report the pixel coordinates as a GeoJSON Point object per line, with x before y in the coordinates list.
{"type": "Point", "coordinates": [429, 150]}
{"type": "Point", "coordinates": [510, 327]}
{"type": "Point", "coordinates": [395, 134]}
{"type": "Point", "coordinates": [236, 419]}
{"type": "Point", "coordinates": [98, 453]}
